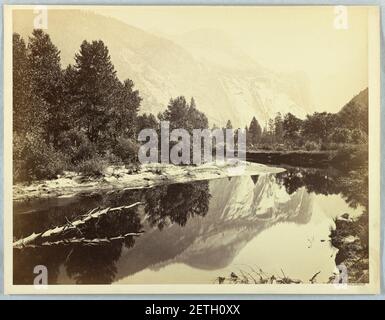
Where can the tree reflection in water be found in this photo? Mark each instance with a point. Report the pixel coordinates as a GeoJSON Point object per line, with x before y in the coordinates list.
{"type": "Point", "coordinates": [352, 185]}
{"type": "Point", "coordinates": [176, 203]}
{"type": "Point", "coordinates": [84, 264]}
{"type": "Point", "coordinates": [167, 204]}
{"type": "Point", "coordinates": [164, 205]}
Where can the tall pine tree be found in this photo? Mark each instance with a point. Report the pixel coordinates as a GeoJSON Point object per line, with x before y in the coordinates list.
{"type": "Point", "coordinates": [254, 132]}
{"type": "Point", "coordinates": [97, 89]}
{"type": "Point", "coordinates": [46, 81]}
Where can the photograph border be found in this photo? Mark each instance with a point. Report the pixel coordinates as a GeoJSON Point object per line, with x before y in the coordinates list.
{"type": "Point", "coordinates": [374, 197]}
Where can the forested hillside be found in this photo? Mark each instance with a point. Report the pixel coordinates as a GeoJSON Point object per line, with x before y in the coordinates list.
{"type": "Point", "coordinates": [318, 131]}
{"type": "Point", "coordinates": [84, 117]}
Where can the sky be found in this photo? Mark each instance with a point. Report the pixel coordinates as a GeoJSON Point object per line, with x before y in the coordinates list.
{"type": "Point", "coordinates": [283, 39]}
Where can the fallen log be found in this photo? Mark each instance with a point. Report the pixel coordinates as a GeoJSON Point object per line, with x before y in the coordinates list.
{"type": "Point", "coordinates": [46, 235]}
{"type": "Point", "coordinates": [82, 241]}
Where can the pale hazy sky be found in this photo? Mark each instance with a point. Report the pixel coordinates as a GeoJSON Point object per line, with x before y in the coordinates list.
{"type": "Point", "coordinates": [280, 38]}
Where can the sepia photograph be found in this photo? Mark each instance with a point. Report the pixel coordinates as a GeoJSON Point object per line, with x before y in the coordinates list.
{"type": "Point", "coordinates": [192, 149]}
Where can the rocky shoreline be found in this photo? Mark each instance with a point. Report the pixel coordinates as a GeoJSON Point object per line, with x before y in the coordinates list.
{"type": "Point", "coordinates": [350, 237]}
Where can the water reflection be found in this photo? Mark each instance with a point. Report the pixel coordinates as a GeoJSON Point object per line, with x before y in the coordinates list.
{"type": "Point", "coordinates": [194, 231]}
{"type": "Point", "coordinates": [352, 185]}
{"type": "Point", "coordinates": [176, 203]}
{"type": "Point", "coordinates": [84, 264]}
{"type": "Point", "coordinates": [165, 205]}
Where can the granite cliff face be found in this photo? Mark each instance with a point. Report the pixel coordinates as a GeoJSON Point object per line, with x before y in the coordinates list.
{"type": "Point", "coordinates": [204, 64]}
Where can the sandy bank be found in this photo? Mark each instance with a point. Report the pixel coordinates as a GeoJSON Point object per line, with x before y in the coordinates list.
{"type": "Point", "coordinates": [148, 176]}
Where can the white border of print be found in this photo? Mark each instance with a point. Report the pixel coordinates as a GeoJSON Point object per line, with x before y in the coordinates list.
{"type": "Point", "coordinates": [374, 198]}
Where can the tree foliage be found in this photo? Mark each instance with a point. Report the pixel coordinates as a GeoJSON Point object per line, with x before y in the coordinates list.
{"type": "Point", "coordinates": [64, 117]}
{"type": "Point", "coordinates": [320, 130]}
{"type": "Point", "coordinates": [181, 114]}
{"type": "Point", "coordinates": [254, 132]}
{"type": "Point", "coordinates": [83, 115]}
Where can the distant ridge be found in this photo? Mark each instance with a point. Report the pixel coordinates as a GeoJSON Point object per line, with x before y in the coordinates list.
{"type": "Point", "coordinates": [231, 86]}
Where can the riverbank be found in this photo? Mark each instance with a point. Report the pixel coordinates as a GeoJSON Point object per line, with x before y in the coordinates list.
{"type": "Point", "coordinates": [149, 175]}
{"type": "Point", "coordinates": [350, 237]}
{"type": "Point", "coordinates": [344, 158]}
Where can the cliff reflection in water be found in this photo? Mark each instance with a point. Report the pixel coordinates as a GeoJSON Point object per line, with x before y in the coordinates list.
{"type": "Point", "coordinates": [201, 227]}
{"type": "Point", "coordinates": [96, 264]}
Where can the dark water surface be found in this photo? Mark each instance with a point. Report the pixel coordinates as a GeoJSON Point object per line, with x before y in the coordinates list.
{"type": "Point", "coordinates": [195, 232]}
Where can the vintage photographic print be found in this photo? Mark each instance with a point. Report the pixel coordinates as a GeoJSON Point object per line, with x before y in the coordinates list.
{"type": "Point", "coordinates": [192, 149]}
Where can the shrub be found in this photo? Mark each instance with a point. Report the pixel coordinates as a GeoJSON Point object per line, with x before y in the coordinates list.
{"type": "Point", "coordinates": [76, 145]}
{"type": "Point", "coordinates": [85, 151]}
{"type": "Point", "coordinates": [265, 146]}
{"type": "Point", "coordinates": [111, 158]}
{"type": "Point", "coordinates": [341, 135]}
{"type": "Point", "coordinates": [92, 167]}
{"type": "Point", "coordinates": [328, 146]}
{"type": "Point", "coordinates": [359, 136]}
{"type": "Point", "coordinates": [280, 147]}
{"type": "Point", "coordinates": [127, 150]}
{"type": "Point", "coordinates": [35, 159]}
{"type": "Point", "coordinates": [311, 146]}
